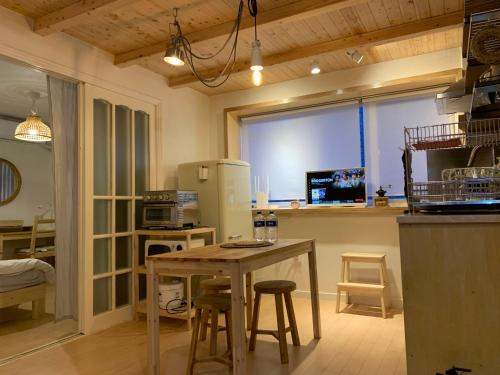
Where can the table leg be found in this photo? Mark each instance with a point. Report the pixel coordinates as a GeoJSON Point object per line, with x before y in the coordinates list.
{"type": "Point", "coordinates": [238, 320]}
{"type": "Point", "coordinates": [153, 320]}
{"type": "Point", "coordinates": [249, 294]}
{"type": "Point", "coordinates": [313, 279]}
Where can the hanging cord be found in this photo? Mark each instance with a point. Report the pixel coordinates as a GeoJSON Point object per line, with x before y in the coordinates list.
{"type": "Point", "coordinates": [190, 56]}
{"type": "Point", "coordinates": [253, 10]}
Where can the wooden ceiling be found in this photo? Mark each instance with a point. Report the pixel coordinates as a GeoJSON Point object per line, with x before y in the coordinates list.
{"type": "Point", "coordinates": [292, 33]}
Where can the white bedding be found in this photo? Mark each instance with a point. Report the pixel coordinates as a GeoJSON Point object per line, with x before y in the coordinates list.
{"type": "Point", "coordinates": [13, 267]}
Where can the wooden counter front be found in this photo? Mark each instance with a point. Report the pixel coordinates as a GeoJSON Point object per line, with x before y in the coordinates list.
{"type": "Point", "coordinates": [450, 267]}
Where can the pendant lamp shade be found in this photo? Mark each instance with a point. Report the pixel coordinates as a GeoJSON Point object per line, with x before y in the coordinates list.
{"type": "Point", "coordinates": [256, 61]}
{"type": "Point", "coordinates": [33, 130]}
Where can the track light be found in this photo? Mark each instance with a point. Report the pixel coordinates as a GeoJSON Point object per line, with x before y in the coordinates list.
{"type": "Point", "coordinates": [174, 55]}
{"type": "Point", "coordinates": [355, 56]}
{"type": "Point", "coordinates": [315, 68]}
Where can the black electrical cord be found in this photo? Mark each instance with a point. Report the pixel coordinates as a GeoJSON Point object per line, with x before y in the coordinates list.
{"type": "Point", "coordinates": [253, 10]}
{"type": "Point", "coordinates": [191, 56]}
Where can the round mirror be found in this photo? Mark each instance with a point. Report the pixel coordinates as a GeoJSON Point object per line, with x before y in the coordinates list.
{"type": "Point", "coordinates": [10, 182]}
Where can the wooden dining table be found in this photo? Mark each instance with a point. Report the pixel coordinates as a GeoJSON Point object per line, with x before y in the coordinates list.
{"type": "Point", "coordinates": [236, 263]}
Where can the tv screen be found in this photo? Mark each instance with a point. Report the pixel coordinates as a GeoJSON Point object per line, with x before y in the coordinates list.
{"type": "Point", "coordinates": [336, 187]}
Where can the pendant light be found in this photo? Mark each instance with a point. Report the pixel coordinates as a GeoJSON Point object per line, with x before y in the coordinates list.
{"type": "Point", "coordinates": [174, 55]}
{"type": "Point", "coordinates": [256, 65]}
{"type": "Point", "coordinates": [33, 129]}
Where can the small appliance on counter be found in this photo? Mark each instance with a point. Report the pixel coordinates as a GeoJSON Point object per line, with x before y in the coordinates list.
{"type": "Point", "coordinates": [170, 209]}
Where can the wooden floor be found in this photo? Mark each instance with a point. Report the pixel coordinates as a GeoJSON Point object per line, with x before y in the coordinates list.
{"type": "Point", "coordinates": [20, 333]}
{"type": "Point", "coordinates": [352, 343]}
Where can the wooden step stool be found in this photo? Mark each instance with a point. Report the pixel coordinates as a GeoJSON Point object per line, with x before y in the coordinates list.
{"type": "Point", "coordinates": [345, 284]}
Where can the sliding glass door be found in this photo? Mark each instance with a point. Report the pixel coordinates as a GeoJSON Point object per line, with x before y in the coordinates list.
{"type": "Point", "coordinates": [120, 165]}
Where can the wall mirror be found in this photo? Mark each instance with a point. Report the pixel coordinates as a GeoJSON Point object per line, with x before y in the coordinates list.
{"type": "Point", "coordinates": [10, 182]}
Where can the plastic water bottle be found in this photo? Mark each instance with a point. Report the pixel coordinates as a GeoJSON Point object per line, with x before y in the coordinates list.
{"type": "Point", "coordinates": [272, 227]}
{"type": "Point", "coordinates": [259, 227]}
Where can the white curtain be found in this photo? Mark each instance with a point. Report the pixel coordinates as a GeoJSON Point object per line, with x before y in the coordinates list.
{"type": "Point", "coordinates": [63, 99]}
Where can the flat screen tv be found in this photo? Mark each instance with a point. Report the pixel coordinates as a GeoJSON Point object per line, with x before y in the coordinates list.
{"type": "Point", "coordinates": [343, 187]}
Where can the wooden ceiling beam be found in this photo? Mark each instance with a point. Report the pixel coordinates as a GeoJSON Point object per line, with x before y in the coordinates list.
{"type": "Point", "coordinates": [290, 12]}
{"type": "Point", "coordinates": [75, 14]}
{"type": "Point", "coordinates": [387, 35]}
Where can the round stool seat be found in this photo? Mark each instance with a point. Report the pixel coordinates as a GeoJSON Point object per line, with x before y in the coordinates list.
{"type": "Point", "coordinates": [221, 302]}
{"type": "Point", "coordinates": [217, 284]}
{"type": "Point", "coordinates": [275, 286]}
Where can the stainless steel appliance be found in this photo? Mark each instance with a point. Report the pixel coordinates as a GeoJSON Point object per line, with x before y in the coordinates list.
{"type": "Point", "coordinates": [171, 209]}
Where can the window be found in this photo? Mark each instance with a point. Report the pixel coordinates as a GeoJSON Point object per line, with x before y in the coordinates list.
{"type": "Point", "coordinates": [283, 148]}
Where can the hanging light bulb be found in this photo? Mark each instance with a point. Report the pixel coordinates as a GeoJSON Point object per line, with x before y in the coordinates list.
{"type": "Point", "coordinates": [256, 62]}
{"type": "Point", "coordinates": [315, 68]}
{"type": "Point", "coordinates": [257, 77]}
{"type": "Point", "coordinates": [174, 55]}
{"type": "Point", "coordinates": [33, 129]}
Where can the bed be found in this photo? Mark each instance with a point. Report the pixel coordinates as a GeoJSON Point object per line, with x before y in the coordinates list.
{"type": "Point", "coordinates": [25, 280]}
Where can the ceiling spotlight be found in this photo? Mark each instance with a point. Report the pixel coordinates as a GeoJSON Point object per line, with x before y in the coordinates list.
{"type": "Point", "coordinates": [174, 55]}
{"type": "Point", "coordinates": [355, 56]}
{"type": "Point", "coordinates": [315, 69]}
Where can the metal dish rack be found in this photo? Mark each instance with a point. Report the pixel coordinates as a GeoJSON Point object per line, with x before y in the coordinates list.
{"type": "Point", "coordinates": [459, 186]}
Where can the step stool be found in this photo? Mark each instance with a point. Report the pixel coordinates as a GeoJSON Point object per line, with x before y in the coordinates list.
{"type": "Point", "coordinates": [345, 284]}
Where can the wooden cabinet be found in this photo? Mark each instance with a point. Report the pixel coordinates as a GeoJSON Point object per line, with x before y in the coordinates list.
{"type": "Point", "coordinates": [451, 292]}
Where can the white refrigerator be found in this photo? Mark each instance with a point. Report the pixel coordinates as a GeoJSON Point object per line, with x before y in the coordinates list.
{"type": "Point", "coordinates": [224, 195]}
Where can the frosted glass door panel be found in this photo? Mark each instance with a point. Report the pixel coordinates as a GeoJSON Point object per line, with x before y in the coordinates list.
{"type": "Point", "coordinates": [102, 255]}
{"type": "Point", "coordinates": [102, 295]}
{"type": "Point", "coordinates": [123, 258]}
{"type": "Point", "coordinates": [141, 152]}
{"type": "Point", "coordinates": [102, 147]}
{"type": "Point", "coordinates": [123, 220]}
{"type": "Point", "coordinates": [123, 289]}
{"type": "Point", "coordinates": [102, 216]}
{"type": "Point", "coordinates": [123, 146]}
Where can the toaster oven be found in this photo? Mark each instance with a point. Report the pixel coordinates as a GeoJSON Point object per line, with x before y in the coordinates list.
{"type": "Point", "coordinates": [170, 209]}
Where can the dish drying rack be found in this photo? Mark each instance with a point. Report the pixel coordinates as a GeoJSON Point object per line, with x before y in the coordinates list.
{"type": "Point", "coordinates": [458, 186]}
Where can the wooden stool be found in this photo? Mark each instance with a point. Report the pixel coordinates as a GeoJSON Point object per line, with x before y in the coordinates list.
{"type": "Point", "coordinates": [212, 286]}
{"type": "Point", "coordinates": [216, 303]}
{"type": "Point", "coordinates": [278, 288]}
{"type": "Point", "coordinates": [345, 284]}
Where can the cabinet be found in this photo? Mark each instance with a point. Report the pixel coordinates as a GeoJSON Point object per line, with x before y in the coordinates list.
{"type": "Point", "coordinates": [140, 269]}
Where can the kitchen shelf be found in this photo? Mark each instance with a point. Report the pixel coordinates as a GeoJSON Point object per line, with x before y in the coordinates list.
{"type": "Point", "coordinates": [140, 269]}
{"type": "Point", "coordinates": [331, 210]}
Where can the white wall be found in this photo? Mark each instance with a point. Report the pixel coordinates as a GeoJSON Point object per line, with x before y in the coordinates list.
{"type": "Point", "coordinates": [35, 165]}
{"type": "Point", "coordinates": [184, 113]}
{"type": "Point", "coordinates": [336, 234]}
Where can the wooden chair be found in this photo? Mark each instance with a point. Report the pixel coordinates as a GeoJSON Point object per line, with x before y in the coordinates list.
{"type": "Point", "coordinates": [279, 288]}
{"type": "Point", "coordinates": [212, 286]}
{"type": "Point", "coordinates": [37, 233]}
{"type": "Point", "coordinates": [345, 284]}
{"type": "Point", "coordinates": [216, 304]}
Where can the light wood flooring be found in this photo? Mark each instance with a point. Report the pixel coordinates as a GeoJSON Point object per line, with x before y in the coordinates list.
{"type": "Point", "coordinates": [353, 343]}
{"type": "Point", "coordinates": [20, 333]}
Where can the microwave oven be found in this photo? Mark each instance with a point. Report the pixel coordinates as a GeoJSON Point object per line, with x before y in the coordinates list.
{"type": "Point", "coordinates": [170, 209]}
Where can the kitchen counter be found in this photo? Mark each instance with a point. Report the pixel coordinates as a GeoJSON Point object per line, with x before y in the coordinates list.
{"type": "Point", "coordinates": [451, 292]}
{"type": "Point", "coordinates": [335, 210]}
